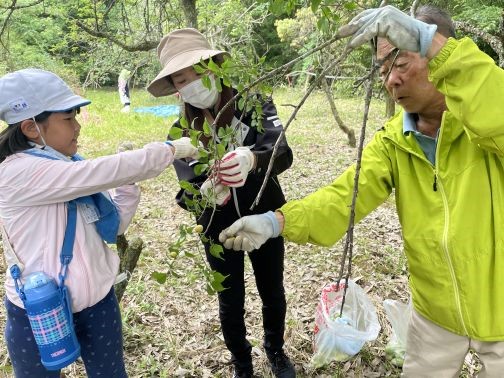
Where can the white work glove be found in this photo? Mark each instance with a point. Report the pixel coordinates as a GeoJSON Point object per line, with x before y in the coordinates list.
{"type": "Point", "coordinates": [125, 146]}
{"type": "Point", "coordinates": [215, 192]}
{"type": "Point", "coordinates": [183, 148]}
{"type": "Point", "coordinates": [234, 167]}
{"type": "Point", "coordinates": [250, 232]}
{"type": "Point", "coordinates": [403, 31]}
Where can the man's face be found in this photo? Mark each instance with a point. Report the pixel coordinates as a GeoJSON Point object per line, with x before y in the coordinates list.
{"type": "Point", "coordinates": [405, 75]}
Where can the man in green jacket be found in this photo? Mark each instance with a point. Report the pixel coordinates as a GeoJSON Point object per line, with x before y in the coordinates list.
{"type": "Point", "coordinates": [443, 153]}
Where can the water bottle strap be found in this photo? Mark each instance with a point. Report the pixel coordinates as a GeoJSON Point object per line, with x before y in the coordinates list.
{"type": "Point", "coordinates": [66, 253]}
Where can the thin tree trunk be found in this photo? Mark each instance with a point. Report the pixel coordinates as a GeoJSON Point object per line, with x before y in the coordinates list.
{"type": "Point", "coordinates": [129, 254]}
{"type": "Point", "coordinates": [190, 13]}
{"type": "Point", "coordinates": [389, 105]}
{"type": "Point", "coordinates": [349, 132]}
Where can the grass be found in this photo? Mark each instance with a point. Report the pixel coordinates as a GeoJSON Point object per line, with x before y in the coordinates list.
{"type": "Point", "coordinates": [172, 330]}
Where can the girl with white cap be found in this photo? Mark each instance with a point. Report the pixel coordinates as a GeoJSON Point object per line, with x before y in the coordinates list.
{"type": "Point", "coordinates": [242, 169]}
{"type": "Point", "coordinates": [40, 176]}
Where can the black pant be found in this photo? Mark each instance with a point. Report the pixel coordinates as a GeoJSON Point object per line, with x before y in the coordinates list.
{"type": "Point", "coordinates": [267, 263]}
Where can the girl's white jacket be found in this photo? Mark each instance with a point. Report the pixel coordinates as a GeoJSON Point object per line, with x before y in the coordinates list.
{"type": "Point", "coordinates": [33, 193]}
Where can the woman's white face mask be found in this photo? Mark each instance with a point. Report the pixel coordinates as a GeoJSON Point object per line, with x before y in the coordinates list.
{"type": "Point", "coordinates": [198, 95]}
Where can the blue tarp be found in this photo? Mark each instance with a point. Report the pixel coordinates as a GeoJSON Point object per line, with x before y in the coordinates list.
{"type": "Point", "coordinates": [160, 110]}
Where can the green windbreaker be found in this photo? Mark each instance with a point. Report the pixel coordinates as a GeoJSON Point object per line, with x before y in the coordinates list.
{"type": "Point", "coordinates": [452, 214]}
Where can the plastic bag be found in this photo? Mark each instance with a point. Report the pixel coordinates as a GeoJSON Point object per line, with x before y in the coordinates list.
{"type": "Point", "coordinates": [398, 314]}
{"type": "Point", "coordinates": [339, 338]}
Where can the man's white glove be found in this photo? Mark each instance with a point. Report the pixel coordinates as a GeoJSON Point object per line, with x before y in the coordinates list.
{"type": "Point", "coordinates": [183, 148]}
{"type": "Point", "coordinates": [215, 192]}
{"type": "Point", "coordinates": [250, 232]}
{"type": "Point", "coordinates": [403, 31]}
{"type": "Point", "coordinates": [234, 167]}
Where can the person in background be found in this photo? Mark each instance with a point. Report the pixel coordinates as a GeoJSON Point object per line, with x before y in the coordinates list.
{"type": "Point", "coordinates": [443, 154]}
{"type": "Point", "coordinates": [123, 88]}
{"type": "Point", "coordinates": [232, 188]}
{"type": "Point", "coordinates": [40, 173]}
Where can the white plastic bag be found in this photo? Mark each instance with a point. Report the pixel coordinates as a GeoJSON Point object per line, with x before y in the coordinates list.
{"type": "Point", "coordinates": [398, 314]}
{"type": "Point", "coordinates": [339, 338]}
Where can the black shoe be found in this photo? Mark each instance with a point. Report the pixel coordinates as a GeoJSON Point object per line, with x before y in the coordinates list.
{"type": "Point", "coordinates": [240, 373]}
{"type": "Point", "coordinates": [281, 366]}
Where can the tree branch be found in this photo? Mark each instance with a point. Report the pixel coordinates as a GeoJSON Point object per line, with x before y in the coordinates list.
{"type": "Point", "coordinates": [495, 42]}
{"type": "Point", "coordinates": [291, 118]}
{"type": "Point", "coordinates": [14, 7]}
{"type": "Point", "coordinates": [142, 46]}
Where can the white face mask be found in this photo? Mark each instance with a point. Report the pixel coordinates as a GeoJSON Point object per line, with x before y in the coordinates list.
{"type": "Point", "coordinates": [198, 95]}
{"type": "Point", "coordinates": [40, 133]}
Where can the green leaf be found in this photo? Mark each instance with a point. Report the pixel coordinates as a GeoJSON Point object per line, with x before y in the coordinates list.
{"type": "Point", "coordinates": [216, 250]}
{"type": "Point", "coordinates": [200, 169]}
{"type": "Point", "coordinates": [199, 69]}
{"type": "Point", "coordinates": [277, 7]}
{"type": "Point", "coordinates": [194, 135]}
{"type": "Point", "coordinates": [176, 133]}
{"type": "Point", "coordinates": [213, 66]}
{"type": "Point", "coordinates": [206, 82]}
{"type": "Point", "coordinates": [206, 128]}
{"type": "Point", "coordinates": [215, 282]}
{"type": "Point", "coordinates": [326, 12]}
{"type": "Point", "coordinates": [314, 5]}
{"type": "Point", "coordinates": [323, 24]}
{"type": "Point", "coordinates": [218, 84]}
{"type": "Point", "coordinates": [159, 277]}
{"type": "Point", "coordinates": [221, 150]}
{"type": "Point", "coordinates": [188, 187]}
{"type": "Point", "coordinates": [184, 123]}
{"type": "Point", "coordinates": [241, 103]}
{"type": "Point", "coordinates": [221, 132]}
{"type": "Point", "coordinates": [350, 5]}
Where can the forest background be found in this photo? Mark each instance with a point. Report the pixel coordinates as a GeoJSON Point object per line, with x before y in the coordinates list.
{"type": "Point", "coordinates": [171, 329]}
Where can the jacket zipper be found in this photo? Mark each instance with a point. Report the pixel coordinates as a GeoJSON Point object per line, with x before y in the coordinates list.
{"type": "Point", "coordinates": [438, 184]}
{"type": "Point", "coordinates": [448, 258]}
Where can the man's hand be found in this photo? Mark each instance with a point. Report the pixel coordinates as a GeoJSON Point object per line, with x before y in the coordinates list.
{"type": "Point", "coordinates": [250, 232]}
{"type": "Point", "coordinates": [215, 192]}
{"type": "Point", "coordinates": [234, 167]}
{"type": "Point", "coordinates": [403, 31]}
{"type": "Point", "coordinates": [184, 148]}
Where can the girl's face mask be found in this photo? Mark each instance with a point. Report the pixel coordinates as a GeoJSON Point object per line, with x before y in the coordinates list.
{"type": "Point", "coordinates": [196, 94]}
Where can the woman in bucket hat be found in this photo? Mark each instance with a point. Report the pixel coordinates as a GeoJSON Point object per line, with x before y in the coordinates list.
{"type": "Point", "coordinates": [41, 179]}
{"type": "Point", "coordinates": [232, 188]}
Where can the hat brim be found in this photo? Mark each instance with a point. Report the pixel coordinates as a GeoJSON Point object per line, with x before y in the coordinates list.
{"type": "Point", "coordinates": [161, 86]}
{"type": "Point", "coordinates": [69, 104]}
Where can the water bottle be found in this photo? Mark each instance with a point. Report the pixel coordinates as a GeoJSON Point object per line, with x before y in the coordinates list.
{"type": "Point", "coordinates": [49, 311]}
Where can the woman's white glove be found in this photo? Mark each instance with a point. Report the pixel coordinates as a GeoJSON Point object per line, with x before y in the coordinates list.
{"type": "Point", "coordinates": [403, 31]}
{"type": "Point", "coordinates": [250, 232]}
{"type": "Point", "coordinates": [234, 167]}
{"type": "Point", "coordinates": [125, 146]}
{"type": "Point", "coordinates": [215, 192]}
{"type": "Point", "coordinates": [183, 148]}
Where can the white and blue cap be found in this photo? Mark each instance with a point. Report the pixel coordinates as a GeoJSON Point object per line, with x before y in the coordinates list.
{"type": "Point", "coordinates": [26, 93]}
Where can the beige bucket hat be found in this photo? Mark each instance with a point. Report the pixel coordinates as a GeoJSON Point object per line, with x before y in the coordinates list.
{"type": "Point", "coordinates": [180, 49]}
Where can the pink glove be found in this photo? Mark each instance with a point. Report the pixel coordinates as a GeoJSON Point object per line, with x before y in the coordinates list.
{"type": "Point", "coordinates": [234, 167]}
{"type": "Point", "coordinates": [214, 192]}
